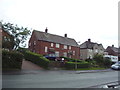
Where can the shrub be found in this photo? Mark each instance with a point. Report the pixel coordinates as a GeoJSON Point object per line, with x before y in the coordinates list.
{"type": "Point", "coordinates": [11, 59]}
{"type": "Point", "coordinates": [107, 62]}
{"type": "Point", "coordinates": [71, 59]}
{"type": "Point", "coordinates": [101, 61]}
{"type": "Point", "coordinates": [37, 59]}
{"type": "Point", "coordinates": [71, 65]}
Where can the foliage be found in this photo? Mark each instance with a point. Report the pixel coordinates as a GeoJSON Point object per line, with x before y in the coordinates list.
{"type": "Point", "coordinates": [91, 62]}
{"type": "Point", "coordinates": [11, 59]}
{"type": "Point", "coordinates": [19, 34]}
{"type": "Point", "coordinates": [71, 65]}
{"type": "Point", "coordinates": [107, 62]}
{"type": "Point", "coordinates": [37, 59]}
{"type": "Point", "coordinates": [71, 59]}
{"type": "Point", "coordinates": [101, 61]}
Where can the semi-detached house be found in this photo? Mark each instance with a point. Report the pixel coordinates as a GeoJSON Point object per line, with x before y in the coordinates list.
{"type": "Point", "coordinates": [48, 44]}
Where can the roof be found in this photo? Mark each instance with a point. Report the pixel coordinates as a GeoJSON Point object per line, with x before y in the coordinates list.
{"type": "Point", "coordinates": [88, 45]}
{"type": "Point", "coordinates": [115, 49]}
{"type": "Point", "coordinates": [54, 38]}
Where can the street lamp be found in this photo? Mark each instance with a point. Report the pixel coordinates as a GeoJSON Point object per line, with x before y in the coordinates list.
{"type": "Point", "coordinates": [77, 54]}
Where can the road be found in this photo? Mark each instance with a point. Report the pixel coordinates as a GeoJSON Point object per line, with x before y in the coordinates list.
{"type": "Point", "coordinates": [58, 79]}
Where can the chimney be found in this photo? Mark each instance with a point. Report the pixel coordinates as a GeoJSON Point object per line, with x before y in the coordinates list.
{"type": "Point", "coordinates": [65, 35]}
{"type": "Point", "coordinates": [89, 40]}
{"type": "Point", "coordinates": [112, 45]}
{"type": "Point", "coordinates": [46, 30]}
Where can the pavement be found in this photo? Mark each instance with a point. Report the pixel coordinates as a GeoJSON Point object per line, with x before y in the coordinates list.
{"type": "Point", "coordinates": [20, 72]}
{"type": "Point", "coordinates": [93, 71]}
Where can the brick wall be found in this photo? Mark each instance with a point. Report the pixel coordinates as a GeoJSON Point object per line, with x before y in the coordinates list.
{"type": "Point", "coordinates": [39, 47]}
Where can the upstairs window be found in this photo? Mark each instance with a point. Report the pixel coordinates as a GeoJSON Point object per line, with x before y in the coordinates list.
{"type": "Point", "coordinates": [34, 42]}
{"type": "Point", "coordinates": [73, 52]}
{"type": "Point", "coordinates": [70, 47]}
{"type": "Point", "coordinates": [46, 49]}
{"type": "Point", "coordinates": [52, 44]}
{"type": "Point", "coordinates": [29, 44]}
{"type": "Point", "coordinates": [65, 46]}
{"type": "Point", "coordinates": [57, 45]}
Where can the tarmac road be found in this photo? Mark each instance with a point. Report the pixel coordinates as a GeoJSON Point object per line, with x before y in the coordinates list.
{"type": "Point", "coordinates": [57, 79]}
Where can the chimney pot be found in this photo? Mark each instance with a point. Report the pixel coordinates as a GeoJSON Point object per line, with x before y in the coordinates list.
{"type": "Point", "coordinates": [65, 35]}
{"type": "Point", "coordinates": [112, 45]}
{"type": "Point", "coordinates": [89, 40]}
{"type": "Point", "coordinates": [46, 30]}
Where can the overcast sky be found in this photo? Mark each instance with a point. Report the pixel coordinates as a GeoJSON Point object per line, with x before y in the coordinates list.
{"type": "Point", "coordinates": [80, 19]}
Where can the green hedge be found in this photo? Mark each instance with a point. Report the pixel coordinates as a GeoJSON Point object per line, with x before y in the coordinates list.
{"type": "Point", "coordinates": [71, 59]}
{"type": "Point", "coordinates": [71, 65]}
{"type": "Point", "coordinates": [11, 59]}
{"type": "Point", "coordinates": [37, 59]}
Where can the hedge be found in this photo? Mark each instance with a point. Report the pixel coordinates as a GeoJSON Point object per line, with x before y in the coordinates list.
{"type": "Point", "coordinates": [37, 59]}
{"type": "Point", "coordinates": [71, 59]}
{"type": "Point", "coordinates": [71, 65]}
{"type": "Point", "coordinates": [11, 59]}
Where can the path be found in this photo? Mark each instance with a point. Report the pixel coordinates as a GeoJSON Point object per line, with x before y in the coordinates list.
{"type": "Point", "coordinates": [27, 65]}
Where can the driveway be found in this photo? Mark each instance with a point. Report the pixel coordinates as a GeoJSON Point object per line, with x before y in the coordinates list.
{"type": "Point", "coordinates": [27, 65]}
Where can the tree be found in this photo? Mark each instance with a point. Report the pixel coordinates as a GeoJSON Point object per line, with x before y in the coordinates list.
{"type": "Point", "coordinates": [19, 34]}
{"type": "Point", "coordinates": [101, 61]}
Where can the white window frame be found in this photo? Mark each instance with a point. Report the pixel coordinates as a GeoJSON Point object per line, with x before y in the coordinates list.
{"type": "Point", "coordinates": [34, 42]}
{"type": "Point", "coordinates": [65, 46]}
{"type": "Point", "coordinates": [46, 49]}
{"type": "Point", "coordinates": [65, 54]}
{"type": "Point", "coordinates": [57, 53]}
{"type": "Point", "coordinates": [29, 44]}
{"type": "Point", "coordinates": [57, 45]}
{"type": "Point", "coordinates": [52, 44]}
{"type": "Point", "coordinates": [73, 52]}
{"type": "Point", "coordinates": [96, 50]}
{"type": "Point", "coordinates": [70, 47]}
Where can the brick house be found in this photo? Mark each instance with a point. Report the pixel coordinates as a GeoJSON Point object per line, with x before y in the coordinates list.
{"type": "Point", "coordinates": [111, 50]}
{"type": "Point", "coordinates": [88, 49]}
{"type": "Point", "coordinates": [6, 38]}
{"type": "Point", "coordinates": [48, 44]}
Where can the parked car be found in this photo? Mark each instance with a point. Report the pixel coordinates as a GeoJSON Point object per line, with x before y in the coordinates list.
{"type": "Point", "coordinates": [116, 66]}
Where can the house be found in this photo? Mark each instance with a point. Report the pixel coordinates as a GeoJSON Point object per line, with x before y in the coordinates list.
{"type": "Point", "coordinates": [88, 49]}
{"type": "Point", "coordinates": [52, 45]}
{"type": "Point", "coordinates": [0, 36]}
{"type": "Point", "coordinates": [7, 39]}
{"type": "Point", "coordinates": [111, 50]}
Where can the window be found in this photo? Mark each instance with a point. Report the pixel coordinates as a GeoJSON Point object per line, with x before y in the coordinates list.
{"type": "Point", "coordinates": [70, 47]}
{"type": "Point", "coordinates": [96, 50]}
{"type": "Point", "coordinates": [46, 49]}
{"type": "Point", "coordinates": [34, 42]}
{"type": "Point", "coordinates": [65, 54]}
{"type": "Point", "coordinates": [57, 45]}
{"type": "Point", "coordinates": [90, 50]}
{"type": "Point", "coordinates": [73, 52]}
{"type": "Point", "coordinates": [29, 44]}
{"type": "Point", "coordinates": [5, 38]}
{"type": "Point", "coordinates": [57, 54]}
{"type": "Point", "coordinates": [65, 46]}
{"type": "Point", "coordinates": [52, 44]}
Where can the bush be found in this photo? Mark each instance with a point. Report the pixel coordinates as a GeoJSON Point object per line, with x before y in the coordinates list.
{"type": "Point", "coordinates": [71, 65]}
{"type": "Point", "coordinates": [37, 59]}
{"type": "Point", "coordinates": [101, 61]}
{"type": "Point", "coordinates": [71, 59]}
{"type": "Point", "coordinates": [107, 62]}
{"type": "Point", "coordinates": [11, 59]}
